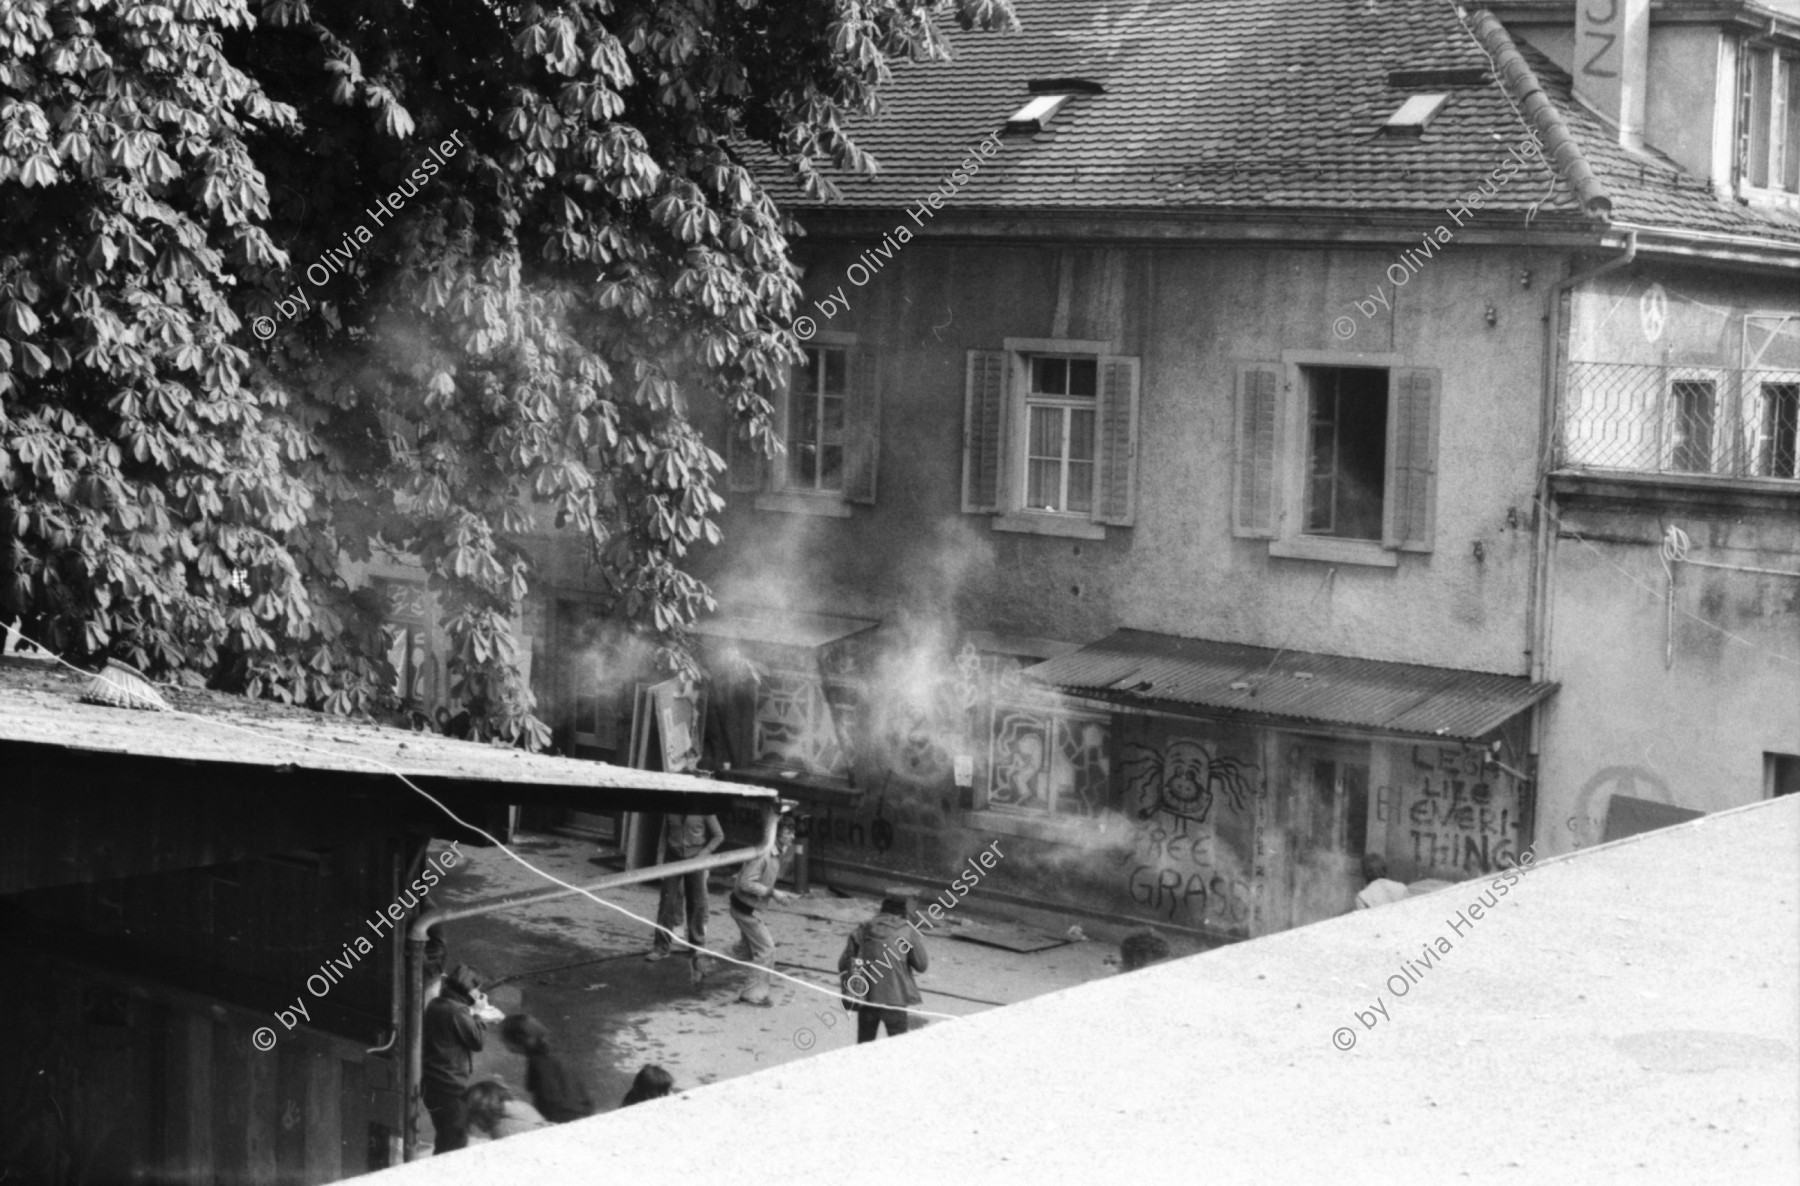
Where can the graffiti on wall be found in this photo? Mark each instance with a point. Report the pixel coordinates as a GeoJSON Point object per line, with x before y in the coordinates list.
{"type": "Point", "coordinates": [1183, 778]}
{"type": "Point", "coordinates": [1462, 813]}
{"type": "Point", "coordinates": [1595, 797]}
{"type": "Point", "coordinates": [1192, 807]}
{"type": "Point", "coordinates": [1049, 761]}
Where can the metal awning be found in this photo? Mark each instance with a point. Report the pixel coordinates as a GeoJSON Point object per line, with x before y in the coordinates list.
{"type": "Point", "coordinates": [1141, 669]}
{"type": "Point", "coordinates": [788, 628]}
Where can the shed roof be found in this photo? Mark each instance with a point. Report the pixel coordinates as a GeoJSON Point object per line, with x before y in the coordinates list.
{"type": "Point", "coordinates": [1137, 667]}
{"type": "Point", "coordinates": [39, 705]}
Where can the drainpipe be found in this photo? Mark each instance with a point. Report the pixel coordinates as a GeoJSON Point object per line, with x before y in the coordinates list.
{"type": "Point", "coordinates": [1537, 610]}
{"type": "Point", "coordinates": [415, 939]}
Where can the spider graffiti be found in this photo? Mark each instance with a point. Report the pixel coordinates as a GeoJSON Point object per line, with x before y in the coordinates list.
{"type": "Point", "coordinates": [1184, 778]}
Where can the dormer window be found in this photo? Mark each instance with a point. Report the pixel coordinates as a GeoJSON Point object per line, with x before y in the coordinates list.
{"type": "Point", "coordinates": [1036, 115]}
{"type": "Point", "coordinates": [1412, 116]}
{"type": "Point", "coordinates": [1770, 120]}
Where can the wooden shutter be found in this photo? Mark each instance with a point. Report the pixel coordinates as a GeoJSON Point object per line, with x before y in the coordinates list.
{"type": "Point", "coordinates": [1253, 511]}
{"type": "Point", "coordinates": [862, 426]}
{"type": "Point", "coordinates": [1115, 477]}
{"type": "Point", "coordinates": [1409, 511]}
{"type": "Point", "coordinates": [984, 429]}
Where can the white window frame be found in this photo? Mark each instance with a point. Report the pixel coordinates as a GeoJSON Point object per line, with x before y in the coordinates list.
{"type": "Point", "coordinates": [1718, 447]}
{"type": "Point", "coordinates": [782, 494]}
{"type": "Point", "coordinates": [1784, 65]}
{"type": "Point", "coordinates": [1754, 412]}
{"type": "Point", "coordinates": [1067, 405]}
{"type": "Point", "coordinates": [1016, 515]}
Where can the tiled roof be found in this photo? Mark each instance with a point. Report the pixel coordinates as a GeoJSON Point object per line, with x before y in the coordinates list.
{"type": "Point", "coordinates": [1241, 106]}
{"type": "Point", "coordinates": [1648, 188]}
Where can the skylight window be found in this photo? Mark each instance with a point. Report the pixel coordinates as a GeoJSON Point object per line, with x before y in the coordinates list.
{"type": "Point", "coordinates": [1036, 115]}
{"type": "Point", "coordinates": [1414, 114]}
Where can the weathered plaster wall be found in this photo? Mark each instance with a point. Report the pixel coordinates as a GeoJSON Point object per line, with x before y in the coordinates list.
{"type": "Point", "coordinates": [1191, 313]}
{"type": "Point", "coordinates": [1678, 714]}
{"type": "Point", "coordinates": [1685, 723]}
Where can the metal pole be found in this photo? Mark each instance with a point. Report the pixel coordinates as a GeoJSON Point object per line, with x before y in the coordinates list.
{"type": "Point", "coordinates": [736, 856]}
{"type": "Point", "coordinates": [412, 1063]}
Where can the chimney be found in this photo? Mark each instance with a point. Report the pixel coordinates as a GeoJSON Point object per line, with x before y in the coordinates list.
{"type": "Point", "coordinates": [1612, 55]}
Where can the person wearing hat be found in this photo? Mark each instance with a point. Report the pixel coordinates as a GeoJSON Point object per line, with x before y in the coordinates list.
{"type": "Point", "coordinates": [878, 963]}
{"type": "Point", "coordinates": [750, 896]}
{"type": "Point", "coordinates": [452, 1033]}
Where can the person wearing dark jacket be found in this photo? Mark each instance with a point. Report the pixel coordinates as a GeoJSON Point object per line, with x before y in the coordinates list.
{"type": "Point", "coordinates": [555, 1090]}
{"type": "Point", "coordinates": [878, 963]}
{"type": "Point", "coordinates": [451, 1036]}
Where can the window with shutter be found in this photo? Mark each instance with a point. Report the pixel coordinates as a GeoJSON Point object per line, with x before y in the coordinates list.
{"type": "Point", "coordinates": [1050, 436]}
{"type": "Point", "coordinates": [1351, 442]}
{"type": "Point", "coordinates": [984, 425]}
{"type": "Point", "coordinates": [1411, 496]}
{"type": "Point", "coordinates": [1253, 488]}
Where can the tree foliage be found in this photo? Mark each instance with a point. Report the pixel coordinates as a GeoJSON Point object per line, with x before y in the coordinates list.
{"type": "Point", "coordinates": [253, 326]}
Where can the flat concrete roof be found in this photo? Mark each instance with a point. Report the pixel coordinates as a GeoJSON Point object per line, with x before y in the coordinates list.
{"type": "Point", "coordinates": [1627, 1013]}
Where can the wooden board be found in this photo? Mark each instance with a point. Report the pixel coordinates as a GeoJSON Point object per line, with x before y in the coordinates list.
{"type": "Point", "coordinates": [1007, 936]}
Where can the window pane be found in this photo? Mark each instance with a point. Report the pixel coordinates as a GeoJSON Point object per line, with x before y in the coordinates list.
{"type": "Point", "coordinates": [1081, 486]}
{"type": "Point", "coordinates": [834, 418]}
{"type": "Point", "coordinates": [1762, 63]}
{"type": "Point", "coordinates": [1081, 435]}
{"type": "Point", "coordinates": [806, 375]}
{"type": "Point", "coordinates": [1083, 376]}
{"type": "Point", "coordinates": [1042, 480]}
{"type": "Point", "coordinates": [837, 367]}
{"type": "Point", "coordinates": [1692, 431]}
{"type": "Point", "coordinates": [831, 467]}
{"type": "Point", "coordinates": [1780, 435]}
{"type": "Point", "coordinates": [803, 439]}
{"type": "Point", "coordinates": [1790, 166]}
{"type": "Point", "coordinates": [1046, 432]}
{"type": "Point", "coordinates": [1362, 452]}
{"type": "Point", "coordinates": [1050, 375]}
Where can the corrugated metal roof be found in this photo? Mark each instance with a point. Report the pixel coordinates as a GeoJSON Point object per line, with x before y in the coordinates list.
{"type": "Point", "coordinates": [38, 706]}
{"type": "Point", "coordinates": [791, 628]}
{"type": "Point", "coordinates": [1138, 667]}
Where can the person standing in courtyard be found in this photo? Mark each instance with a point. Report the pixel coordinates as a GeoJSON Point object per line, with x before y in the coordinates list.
{"type": "Point", "coordinates": [878, 963]}
{"type": "Point", "coordinates": [685, 837]}
{"type": "Point", "coordinates": [451, 1034]}
{"type": "Point", "coordinates": [750, 897]}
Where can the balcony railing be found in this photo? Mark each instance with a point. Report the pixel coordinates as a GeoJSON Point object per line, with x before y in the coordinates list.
{"type": "Point", "coordinates": [1647, 418]}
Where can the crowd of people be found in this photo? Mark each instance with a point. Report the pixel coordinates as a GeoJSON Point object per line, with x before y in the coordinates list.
{"type": "Point", "coordinates": [454, 1033]}
{"type": "Point", "coordinates": [876, 972]}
